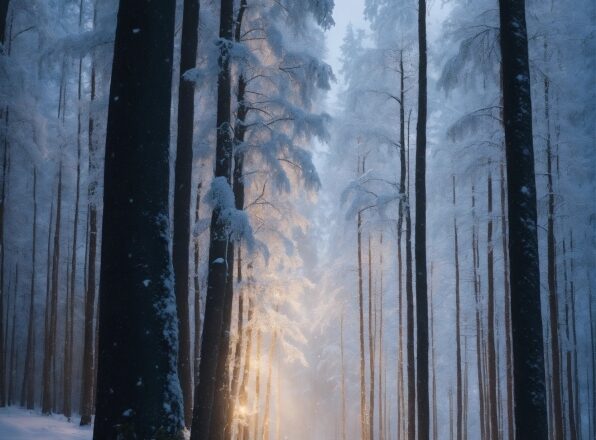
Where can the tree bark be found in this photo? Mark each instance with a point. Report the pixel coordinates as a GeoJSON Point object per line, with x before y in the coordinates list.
{"type": "Point", "coordinates": [423, 427]}
{"type": "Point", "coordinates": [28, 389]}
{"type": "Point", "coordinates": [182, 193]}
{"type": "Point", "coordinates": [89, 348]}
{"type": "Point", "coordinates": [51, 312]}
{"type": "Point", "coordinates": [493, 397]}
{"type": "Point", "coordinates": [3, 19]}
{"type": "Point", "coordinates": [507, 317]}
{"type": "Point", "coordinates": [220, 266]}
{"type": "Point", "coordinates": [553, 307]}
{"type": "Point", "coordinates": [458, 372]}
{"type": "Point", "coordinates": [526, 319]}
{"type": "Point", "coordinates": [138, 392]}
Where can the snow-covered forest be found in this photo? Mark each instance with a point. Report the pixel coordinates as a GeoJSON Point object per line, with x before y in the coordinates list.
{"type": "Point", "coordinates": [294, 219]}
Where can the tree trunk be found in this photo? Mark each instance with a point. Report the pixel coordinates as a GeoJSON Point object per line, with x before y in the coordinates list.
{"type": "Point", "coordinates": [458, 373]}
{"type": "Point", "coordinates": [28, 389]}
{"type": "Point", "coordinates": [197, 292]}
{"type": "Point", "coordinates": [371, 349]}
{"type": "Point", "coordinates": [182, 192]}
{"type": "Point", "coordinates": [2, 203]}
{"type": "Point", "coordinates": [243, 432]}
{"type": "Point", "coordinates": [363, 431]}
{"type": "Point", "coordinates": [3, 18]}
{"type": "Point", "coordinates": [491, 351]}
{"type": "Point", "coordinates": [526, 319]}
{"type": "Point", "coordinates": [211, 370]}
{"type": "Point", "coordinates": [89, 349]}
{"type": "Point", "coordinates": [343, 377]}
{"type": "Point", "coordinates": [507, 317]}
{"type": "Point", "coordinates": [51, 307]}
{"type": "Point", "coordinates": [553, 306]}
{"type": "Point", "coordinates": [479, 331]}
{"type": "Point", "coordinates": [238, 189]}
{"type": "Point", "coordinates": [138, 392]}
{"type": "Point", "coordinates": [423, 428]}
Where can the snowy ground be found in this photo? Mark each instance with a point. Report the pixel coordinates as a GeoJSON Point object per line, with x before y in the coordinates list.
{"type": "Point", "coordinates": [21, 424]}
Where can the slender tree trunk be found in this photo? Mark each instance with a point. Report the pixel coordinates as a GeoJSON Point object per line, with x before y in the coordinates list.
{"type": "Point", "coordinates": [182, 193]}
{"type": "Point", "coordinates": [423, 427]}
{"type": "Point", "coordinates": [2, 207]}
{"type": "Point", "coordinates": [28, 393]}
{"type": "Point", "coordinates": [526, 318]}
{"type": "Point", "coordinates": [574, 391]}
{"type": "Point", "coordinates": [435, 424]}
{"type": "Point", "coordinates": [479, 332]}
{"type": "Point", "coordinates": [12, 358]}
{"type": "Point", "coordinates": [243, 432]}
{"type": "Point", "coordinates": [380, 342]}
{"type": "Point", "coordinates": [343, 377]}
{"type": "Point", "coordinates": [402, 206]}
{"type": "Point", "coordinates": [371, 349]}
{"type": "Point", "coordinates": [363, 431]}
{"type": "Point", "coordinates": [257, 397]}
{"type": "Point", "coordinates": [491, 351]}
{"type": "Point", "coordinates": [458, 373]}
{"type": "Point", "coordinates": [211, 370]}
{"type": "Point", "coordinates": [411, 368]}
{"type": "Point", "coordinates": [3, 19]}
{"type": "Point", "coordinates": [138, 392]}
{"type": "Point", "coordinates": [507, 317]}
{"type": "Point", "coordinates": [50, 342]}
{"type": "Point", "coordinates": [555, 350]}
{"type": "Point", "coordinates": [197, 293]}
{"type": "Point", "coordinates": [89, 349]}
{"type": "Point", "coordinates": [238, 189]}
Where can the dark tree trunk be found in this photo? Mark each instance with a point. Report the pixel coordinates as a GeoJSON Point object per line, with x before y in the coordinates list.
{"type": "Point", "coordinates": [3, 19]}
{"type": "Point", "coordinates": [553, 306]}
{"type": "Point", "coordinates": [49, 390]}
{"type": "Point", "coordinates": [182, 192]}
{"type": "Point", "coordinates": [493, 397]}
{"type": "Point", "coordinates": [138, 392]}
{"type": "Point", "coordinates": [2, 202]}
{"type": "Point", "coordinates": [507, 317]}
{"type": "Point", "coordinates": [220, 266]}
{"type": "Point", "coordinates": [479, 331]}
{"type": "Point", "coordinates": [28, 390]}
{"type": "Point", "coordinates": [197, 292]}
{"type": "Point", "coordinates": [89, 348]}
{"type": "Point", "coordinates": [343, 378]}
{"type": "Point", "coordinates": [371, 349]}
{"type": "Point", "coordinates": [458, 373]}
{"type": "Point", "coordinates": [526, 319]}
{"type": "Point", "coordinates": [197, 288]}
{"type": "Point", "coordinates": [423, 428]}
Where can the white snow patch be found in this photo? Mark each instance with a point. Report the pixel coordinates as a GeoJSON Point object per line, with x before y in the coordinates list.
{"type": "Point", "coordinates": [219, 261]}
{"type": "Point", "coordinates": [146, 283]}
{"type": "Point", "coordinates": [22, 424]}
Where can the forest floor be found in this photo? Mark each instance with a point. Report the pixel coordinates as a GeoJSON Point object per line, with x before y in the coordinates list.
{"type": "Point", "coordinates": [21, 424]}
